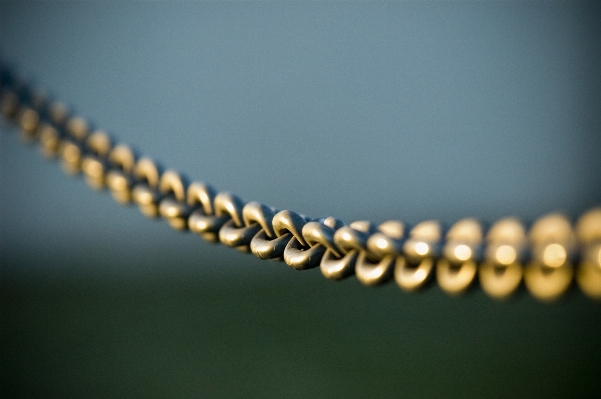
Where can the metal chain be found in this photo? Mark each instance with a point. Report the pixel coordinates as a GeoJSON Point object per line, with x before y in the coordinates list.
{"type": "Point", "coordinates": [548, 257]}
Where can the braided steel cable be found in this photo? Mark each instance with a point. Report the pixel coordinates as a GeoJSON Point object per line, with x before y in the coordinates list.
{"type": "Point", "coordinates": [547, 257]}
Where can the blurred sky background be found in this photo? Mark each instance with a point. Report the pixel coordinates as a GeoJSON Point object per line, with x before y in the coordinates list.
{"type": "Point", "coordinates": [358, 110]}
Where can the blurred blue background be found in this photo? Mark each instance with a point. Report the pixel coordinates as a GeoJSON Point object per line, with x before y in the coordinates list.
{"type": "Point", "coordinates": [359, 110]}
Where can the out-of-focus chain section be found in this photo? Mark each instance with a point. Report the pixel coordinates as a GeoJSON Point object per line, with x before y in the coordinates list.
{"type": "Point", "coordinates": [546, 259]}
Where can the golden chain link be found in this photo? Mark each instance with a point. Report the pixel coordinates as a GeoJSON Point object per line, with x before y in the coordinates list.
{"type": "Point", "coordinates": [547, 257]}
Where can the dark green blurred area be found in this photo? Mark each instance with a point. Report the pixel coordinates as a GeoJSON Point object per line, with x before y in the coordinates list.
{"type": "Point", "coordinates": [293, 334]}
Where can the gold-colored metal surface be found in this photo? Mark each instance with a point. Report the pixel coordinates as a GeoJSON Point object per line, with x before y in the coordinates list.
{"type": "Point", "coordinates": [203, 220]}
{"type": "Point", "coordinates": [374, 273]}
{"type": "Point", "coordinates": [454, 278]}
{"type": "Point", "coordinates": [550, 272]}
{"type": "Point", "coordinates": [29, 121]}
{"type": "Point", "coordinates": [412, 276]}
{"type": "Point", "coordinates": [238, 237]}
{"type": "Point", "coordinates": [456, 271]}
{"type": "Point", "coordinates": [301, 257]}
{"type": "Point", "coordinates": [206, 226]}
{"type": "Point", "coordinates": [500, 282]}
{"type": "Point", "coordinates": [9, 105]}
{"type": "Point", "coordinates": [546, 258]}
{"type": "Point", "coordinates": [173, 206]}
{"type": "Point", "coordinates": [354, 236]}
{"type": "Point", "coordinates": [350, 240]}
{"type": "Point", "coordinates": [545, 283]}
{"type": "Point", "coordinates": [145, 191]}
{"type": "Point", "coordinates": [199, 194]}
{"type": "Point", "coordinates": [94, 165]}
{"type": "Point", "coordinates": [588, 277]}
{"type": "Point", "coordinates": [289, 222]}
{"type": "Point", "coordinates": [59, 113]}
{"type": "Point", "coordinates": [316, 233]}
{"type": "Point", "coordinates": [388, 240]}
{"type": "Point", "coordinates": [501, 271]}
{"type": "Point", "coordinates": [337, 268]}
{"type": "Point", "coordinates": [231, 205]}
{"type": "Point", "coordinates": [424, 241]}
{"type": "Point", "coordinates": [413, 269]}
{"type": "Point", "coordinates": [50, 140]}
{"type": "Point", "coordinates": [298, 254]}
{"type": "Point", "coordinates": [265, 247]}
{"type": "Point", "coordinates": [236, 232]}
{"type": "Point", "coordinates": [257, 213]}
{"type": "Point", "coordinates": [77, 128]}
{"type": "Point", "coordinates": [71, 156]}
{"type": "Point", "coordinates": [588, 227]}
{"type": "Point", "coordinates": [375, 265]}
{"type": "Point", "coordinates": [266, 244]}
{"type": "Point", "coordinates": [588, 232]}
{"type": "Point", "coordinates": [119, 178]}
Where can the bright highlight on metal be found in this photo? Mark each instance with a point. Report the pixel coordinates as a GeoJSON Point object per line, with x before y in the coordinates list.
{"type": "Point", "coordinates": [462, 252]}
{"type": "Point", "coordinates": [506, 255]}
{"type": "Point", "coordinates": [554, 255]}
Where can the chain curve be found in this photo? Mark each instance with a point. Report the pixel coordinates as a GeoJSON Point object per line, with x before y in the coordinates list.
{"type": "Point", "coordinates": [547, 258]}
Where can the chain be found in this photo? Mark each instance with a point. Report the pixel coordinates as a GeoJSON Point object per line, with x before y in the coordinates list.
{"type": "Point", "coordinates": [546, 258]}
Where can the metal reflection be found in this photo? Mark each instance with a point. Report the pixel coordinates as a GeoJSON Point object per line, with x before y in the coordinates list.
{"type": "Point", "coordinates": [550, 272]}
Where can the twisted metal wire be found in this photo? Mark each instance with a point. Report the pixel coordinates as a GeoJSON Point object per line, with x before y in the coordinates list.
{"type": "Point", "coordinates": [547, 258]}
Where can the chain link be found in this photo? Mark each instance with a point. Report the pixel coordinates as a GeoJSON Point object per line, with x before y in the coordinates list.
{"type": "Point", "coordinates": [547, 258]}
